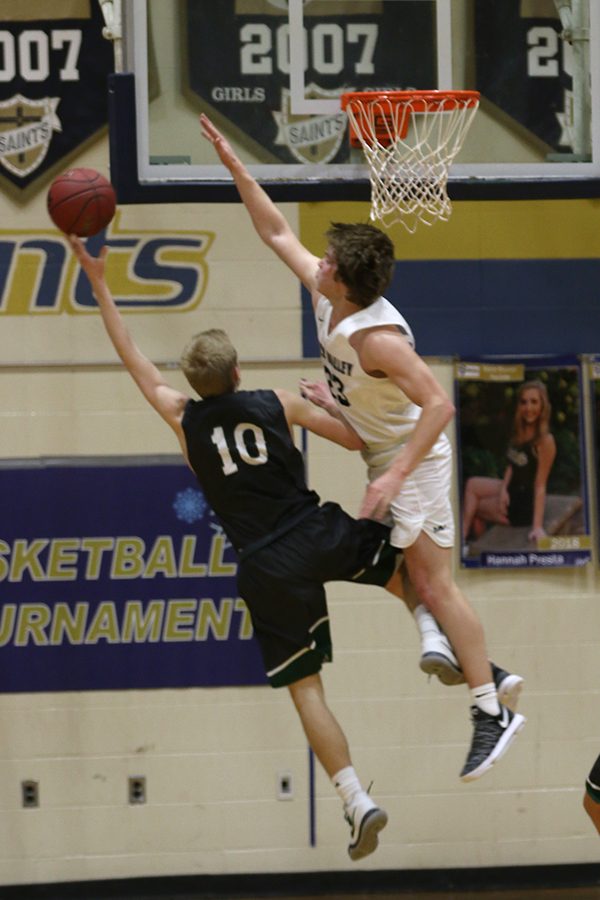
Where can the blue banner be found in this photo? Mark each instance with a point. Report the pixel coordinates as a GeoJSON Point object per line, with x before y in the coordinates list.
{"type": "Point", "coordinates": [345, 44]}
{"type": "Point", "coordinates": [522, 463]}
{"type": "Point", "coordinates": [53, 89]}
{"type": "Point", "coordinates": [117, 576]}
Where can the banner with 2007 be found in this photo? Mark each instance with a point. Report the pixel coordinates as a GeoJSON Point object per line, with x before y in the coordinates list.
{"type": "Point", "coordinates": [347, 46]}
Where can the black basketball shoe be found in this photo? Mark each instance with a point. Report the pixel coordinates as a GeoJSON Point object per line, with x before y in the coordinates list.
{"type": "Point", "coordinates": [492, 736]}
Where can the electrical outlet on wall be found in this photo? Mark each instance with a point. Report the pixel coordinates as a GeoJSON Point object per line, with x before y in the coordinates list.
{"type": "Point", "coordinates": [30, 794]}
{"type": "Point", "coordinates": [285, 786]}
{"type": "Point", "coordinates": [136, 789]}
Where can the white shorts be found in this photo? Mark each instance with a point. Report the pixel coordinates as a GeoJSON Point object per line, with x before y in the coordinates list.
{"type": "Point", "coordinates": [423, 504]}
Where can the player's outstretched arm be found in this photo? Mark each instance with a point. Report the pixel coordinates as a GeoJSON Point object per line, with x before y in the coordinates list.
{"type": "Point", "coordinates": [299, 411]}
{"type": "Point", "coordinates": [384, 351]}
{"type": "Point", "coordinates": [167, 401]}
{"type": "Point", "coordinates": [270, 224]}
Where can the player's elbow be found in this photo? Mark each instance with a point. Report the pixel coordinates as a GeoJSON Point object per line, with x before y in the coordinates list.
{"type": "Point", "coordinates": [277, 237]}
{"type": "Point", "coordinates": [347, 438]}
{"type": "Point", "coordinates": [447, 410]}
{"type": "Point", "coordinates": [353, 442]}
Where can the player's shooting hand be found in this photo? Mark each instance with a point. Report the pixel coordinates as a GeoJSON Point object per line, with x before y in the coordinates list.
{"type": "Point", "coordinates": [93, 266]}
{"type": "Point", "coordinates": [219, 142]}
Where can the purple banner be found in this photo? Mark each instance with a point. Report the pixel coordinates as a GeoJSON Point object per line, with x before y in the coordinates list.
{"type": "Point", "coordinates": [116, 576]}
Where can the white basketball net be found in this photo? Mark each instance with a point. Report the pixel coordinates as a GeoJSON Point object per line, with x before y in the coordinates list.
{"type": "Point", "coordinates": [409, 147]}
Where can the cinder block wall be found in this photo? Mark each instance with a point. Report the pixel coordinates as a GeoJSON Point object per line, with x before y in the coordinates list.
{"type": "Point", "coordinates": [211, 757]}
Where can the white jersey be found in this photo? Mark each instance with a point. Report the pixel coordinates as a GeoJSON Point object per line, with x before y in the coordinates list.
{"type": "Point", "coordinates": [376, 408]}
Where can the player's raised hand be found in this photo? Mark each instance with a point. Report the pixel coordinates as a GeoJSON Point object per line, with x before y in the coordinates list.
{"type": "Point", "coordinates": [219, 142]}
{"type": "Point", "coordinates": [93, 266]}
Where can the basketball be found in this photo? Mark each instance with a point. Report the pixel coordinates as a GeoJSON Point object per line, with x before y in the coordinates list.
{"type": "Point", "coordinates": [81, 201]}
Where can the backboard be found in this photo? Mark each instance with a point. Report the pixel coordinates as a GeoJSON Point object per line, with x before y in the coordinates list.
{"type": "Point", "coordinates": [270, 73]}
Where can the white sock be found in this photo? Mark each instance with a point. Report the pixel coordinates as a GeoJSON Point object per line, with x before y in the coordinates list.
{"type": "Point", "coordinates": [485, 696]}
{"type": "Point", "coordinates": [347, 784]}
{"type": "Point", "coordinates": [433, 639]}
{"type": "Point", "coordinates": [425, 621]}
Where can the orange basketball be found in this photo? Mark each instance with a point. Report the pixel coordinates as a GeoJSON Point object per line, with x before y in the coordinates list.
{"type": "Point", "coordinates": [81, 201]}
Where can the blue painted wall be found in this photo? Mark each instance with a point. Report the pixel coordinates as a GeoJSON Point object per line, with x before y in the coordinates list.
{"type": "Point", "coordinates": [499, 278]}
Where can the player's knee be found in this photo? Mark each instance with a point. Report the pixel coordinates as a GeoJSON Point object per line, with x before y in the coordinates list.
{"type": "Point", "coordinates": [591, 799]}
{"type": "Point", "coordinates": [434, 588]}
{"type": "Point", "coordinates": [431, 595]}
{"type": "Point", "coordinates": [592, 808]}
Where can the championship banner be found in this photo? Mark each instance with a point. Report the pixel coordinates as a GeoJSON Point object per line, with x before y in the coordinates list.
{"type": "Point", "coordinates": [525, 68]}
{"type": "Point", "coordinates": [248, 85]}
{"type": "Point", "coordinates": [54, 64]}
{"type": "Point", "coordinates": [117, 576]}
{"type": "Point", "coordinates": [522, 477]}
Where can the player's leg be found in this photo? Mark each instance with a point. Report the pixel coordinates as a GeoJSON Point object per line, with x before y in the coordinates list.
{"type": "Point", "coordinates": [494, 726]}
{"type": "Point", "coordinates": [384, 565]}
{"type": "Point", "coordinates": [429, 568]}
{"type": "Point", "coordinates": [329, 744]}
{"type": "Point", "coordinates": [592, 808]}
{"type": "Point", "coordinates": [282, 584]}
{"type": "Point", "coordinates": [322, 729]}
{"type": "Point", "coordinates": [437, 655]}
{"type": "Point", "coordinates": [591, 798]}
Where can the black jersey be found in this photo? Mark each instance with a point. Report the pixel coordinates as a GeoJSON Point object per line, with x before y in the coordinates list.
{"type": "Point", "coordinates": [252, 475]}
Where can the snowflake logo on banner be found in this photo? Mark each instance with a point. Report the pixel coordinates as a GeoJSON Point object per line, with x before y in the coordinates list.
{"type": "Point", "coordinates": [190, 505]}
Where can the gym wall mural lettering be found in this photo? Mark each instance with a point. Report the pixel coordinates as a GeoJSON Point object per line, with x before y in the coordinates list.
{"type": "Point", "coordinates": [148, 271]}
{"type": "Point", "coordinates": [114, 575]}
{"type": "Point", "coordinates": [522, 475]}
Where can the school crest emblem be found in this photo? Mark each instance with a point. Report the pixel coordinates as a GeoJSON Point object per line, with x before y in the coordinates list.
{"type": "Point", "coordinates": [26, 128]}
{"type": "Point", "coordinates": [310, 139]}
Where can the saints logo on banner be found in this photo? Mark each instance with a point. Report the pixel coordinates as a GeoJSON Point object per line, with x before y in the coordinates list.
{"type": "Point", "coordinates": [54, 64]}
{"type": "Point", "coordinates": [522, 463]}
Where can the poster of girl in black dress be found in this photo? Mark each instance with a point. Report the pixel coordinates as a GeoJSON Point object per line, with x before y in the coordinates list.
{"type": "Point", "coordinates": [521, 458]}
